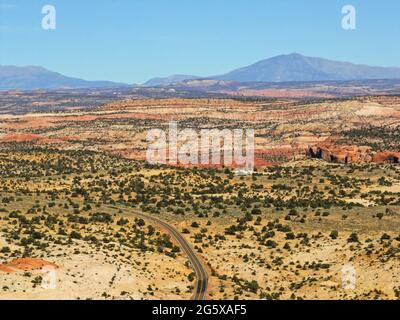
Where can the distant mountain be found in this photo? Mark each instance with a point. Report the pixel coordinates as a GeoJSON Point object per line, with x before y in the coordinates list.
{"type": "Point", "coordinates": [295, 67]}
{"type": "Point", "coordinates": [32, 77]}
{"type": "Point", "coordinates": [176, 78]}
{"type": "Point", "coordinates": [284, 68]}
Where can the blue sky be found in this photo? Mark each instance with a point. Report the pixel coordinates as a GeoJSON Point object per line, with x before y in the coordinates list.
{"type": "Point", "coordinates": [134, 40]}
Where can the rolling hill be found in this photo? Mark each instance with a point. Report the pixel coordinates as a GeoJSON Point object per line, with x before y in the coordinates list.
{"type": "Point", "coordinates": [176, 78]}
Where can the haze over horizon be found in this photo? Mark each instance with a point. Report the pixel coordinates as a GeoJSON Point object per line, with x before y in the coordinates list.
{"type": "Point", "coordinates": [132, 42]}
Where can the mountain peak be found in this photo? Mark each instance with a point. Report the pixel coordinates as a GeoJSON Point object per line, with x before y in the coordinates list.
{"type": "Point", "coordinates": [296, 67]}
{"type": "Point", "coordinates": [294, 54]}
{"type": "Point", "coordinates": [288, 56]}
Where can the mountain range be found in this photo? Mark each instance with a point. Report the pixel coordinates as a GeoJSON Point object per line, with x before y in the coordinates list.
{"type": "Point", "coordinates": [294, 68]}
{"type": "Point", "coordinates": [284, 68]}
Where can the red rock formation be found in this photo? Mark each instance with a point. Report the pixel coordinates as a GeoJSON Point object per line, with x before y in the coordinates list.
{"type": "Point", "coordinates": [25, 264]}
{"type": "Point", "coordinates": [351, 154]}
{"type": "Point", "coordinates": [386, 157]}
{"type": "Point", "coordinates": [341, 154]}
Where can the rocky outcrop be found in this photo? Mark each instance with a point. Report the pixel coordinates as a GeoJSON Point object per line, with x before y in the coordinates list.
{"type": "Point", "coordinates": [26, 264]}
{"type": "Point", "coordinates": [386, 157]}
{"type": "Point", "coordinates": [340, 154]}
{"type": "Point", "coordinates": [351, 154]}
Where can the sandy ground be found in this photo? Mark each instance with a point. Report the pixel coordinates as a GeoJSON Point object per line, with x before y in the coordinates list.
{"type": "Point", "coordinates": [374, 277]}
{"type": "Point", "coordinates": [96, 275]}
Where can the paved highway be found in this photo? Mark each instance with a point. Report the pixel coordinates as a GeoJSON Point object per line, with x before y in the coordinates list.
{"type": "Point", "coordinates": [199, 269]}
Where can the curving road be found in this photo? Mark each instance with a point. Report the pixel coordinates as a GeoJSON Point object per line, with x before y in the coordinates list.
{"type": "Point", "coordinates": [199, 269]}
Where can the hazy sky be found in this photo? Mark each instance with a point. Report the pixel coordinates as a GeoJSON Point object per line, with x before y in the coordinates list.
{"type": "Point", "coordinates": [134, 40]}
